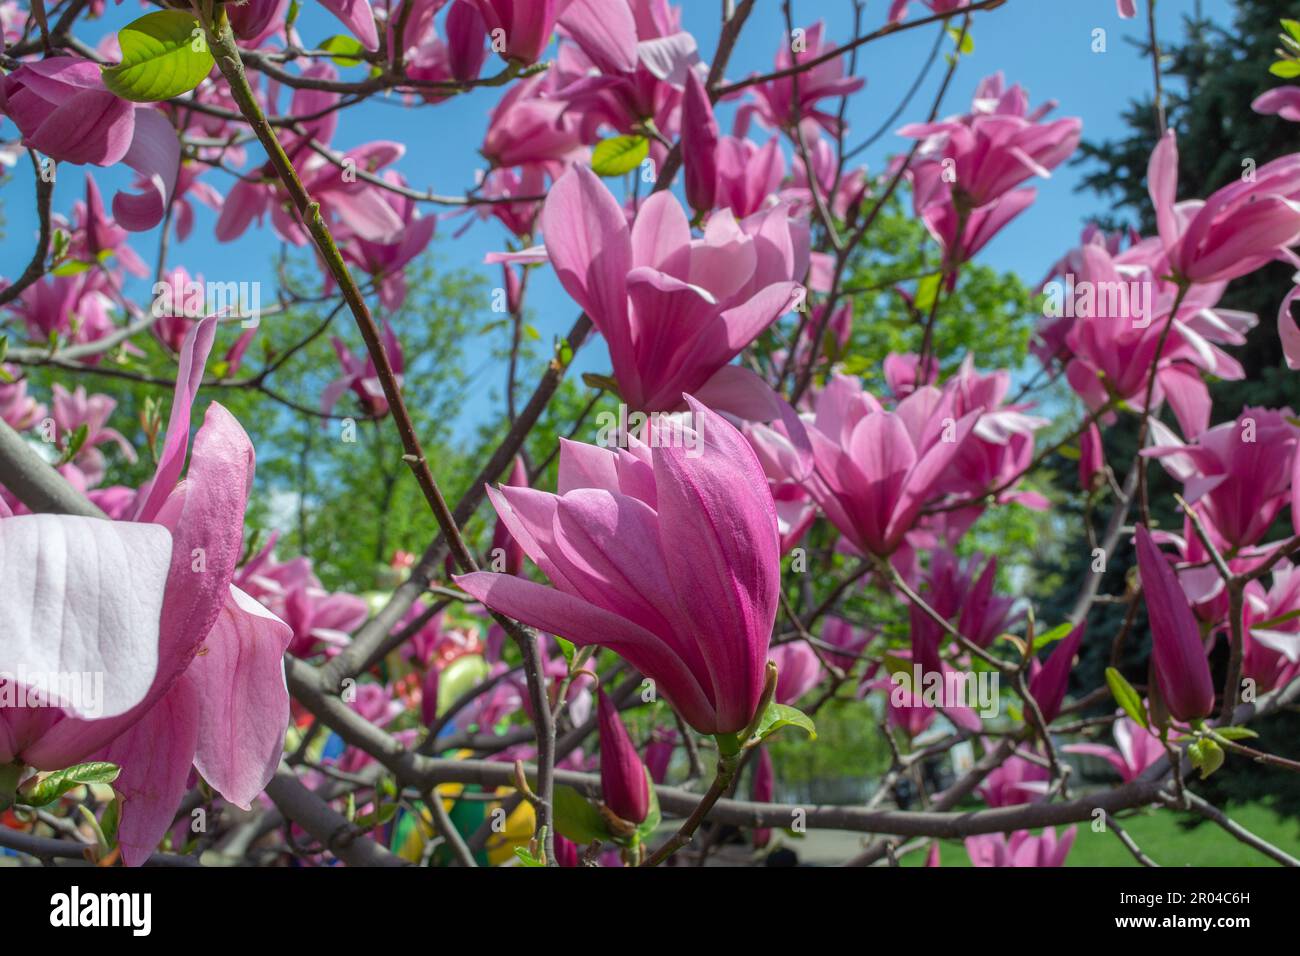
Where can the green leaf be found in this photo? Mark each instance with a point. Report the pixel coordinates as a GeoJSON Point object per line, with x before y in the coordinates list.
{"type": "Point", "coordinates": [567, 649]}
{"type": "Point", "coordinates": [75, 444]}
{"type": "Point", "coordinates": [376, 818]}
{"type": "Point", "coordinates": [1292, 27]}
{"type": "Point", "coordinates": [341, 46]}
{"type": "Point", "coordinates": [967, 41]}
{"type": "Point", "coordinates": [1207, 756]}
{"type": "Point", "coordinates": [1126, 696]}
{"type": "Point", "coordinates": [653, 816]}
{"type": "Point", "coordinates": [604, 382]}
{"type": "Point", "coordinates": [1055, 634]}
{"type": "Point", "coordinates": [576, 817]}
{"type": "Point", "coordinates": [112, 817]}
{"type": "Point", "coordinates": [72, 267]}
{"type": "Point", "coordinates": [164, 54]}
{"type": "Point", "coordinates": [619, 154]}
{"type": "Point", "coordinates": [40, 792]}
{"type": "Point", "coordinates": [1287, 69]}
{"type": "Point", "coordinates": [526, 858]}
{"type": "Point", "coordinates": [783, 715]}
{"type": "Point", "coordinates": [1234, 733]}
{"type": "Point", "coordinates": [101, 838]}
{"type": "Point", "coordinates": [926, 289]}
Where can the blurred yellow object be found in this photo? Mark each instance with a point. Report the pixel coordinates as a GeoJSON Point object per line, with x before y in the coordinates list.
{"type": "Point", "coordinates": [518, 831]}
{"type": "Point", "coordinates": [500, 846]}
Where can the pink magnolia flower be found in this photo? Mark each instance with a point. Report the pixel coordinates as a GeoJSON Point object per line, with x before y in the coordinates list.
{"type": "Point", "coordinates": [1271, 652]}
{"type": "Point", "coordinates": [1136, 748]}
{"type": "Point", "coordinates": [1281, 100]}
{"type": "Point", "coordinates": [975, 158]}
{"type": "Point", "coordinates": [217, 697]}
{"type": "Point", "coordinates": [903, 373]}
{"type": "Point", "coordinates": [520, 29]}
{"type": "Point", "coordinates": [624, 66]}
{"type": "Point", "coordinates": [1051, 679]}
{"type": "Point", "coordinates": [188, 186]}
{"type": "Point", "coordinates": [385, 260]}
{"type": "Point", "coordinates": [965, 173]}
{"type": "Point", "coordinates": [179, 303]}
{"type": "Point", "coordinates": [1238, 229]}
{"type": "Point", "coordinates": [529, 126]}
{"type": "Point", "coordinates": [1001, 447]}
{"type": "Point", "coordinates": [898, 8]}
{"type": "Point", "coordinates": [1111, 347]}
{"type": "Point", "coordinates": [255, 20]}
{"type": "Point", "coordinates": [1022, 848]}
{"type": "Point", "coordinates": [74, 409]}
{"type": "Point", "coordinates": [62, 108]}
{"type": "Point", "coordinates": [1177, 653]}
{"type": "Point", "coordinates": [953, 589]}
{"type": "Point", "coordinates": [797, 670]}
{"type": "Point", "coordinates": [699, 145]}
{"type": "Point", "coordinates": [76, 308]}
{"type": "Point", "coordinates": [775, 101]}
{"type": "Point", "coordinates": [783, 451]}
{"type": "Point", "coordinates": [841, 195]}
{"type": "Point", "coordinates": [97, 238]}
{"type": "Point", "coordinates": [1092, 457]}
{"type": "Point", "coordinates": [361, 378]}
{"type": "Point", "coordinates": [659, 753]}
{"type": "Point", "coordinates": [1237, 474]}
{"type": "Point", "coordinates": [876, 469]}
{"type": "Point", "coordinates": [519, 217]}
{"type": "Point", "coordinates": [748, 175]}
{"type": "Point", "coordinates": [18, 409]}
{"type": "Point", "coordinates": [673, 310]}
{"type": "Point", "coordinates": [1016, 781]}
{"type": "Point", "coordinates": [686, 590]}
{"type": "Point", "coordinates": [1288, 331]}
{"type": "Point", "coordinates": [851, 641]}
{"type": "Point", "coordinates": [624, 784]}
{"type": "Point", "coordinates": [909, 707]}
{"type": "Point", "coordinates": [505, 549]}
{"type": "Point", "coordinates": [319, 620]}
{"type": "Point", "coordinates": [459, 59]}
{"type": "Point", "coordinates": [357, 16]}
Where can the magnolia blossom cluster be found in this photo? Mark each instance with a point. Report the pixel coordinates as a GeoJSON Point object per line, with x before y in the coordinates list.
{"type": "Point", "coordinates": [661, 563]}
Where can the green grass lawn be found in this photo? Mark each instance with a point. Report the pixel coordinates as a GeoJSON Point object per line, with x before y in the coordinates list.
{"type": "Point", "coordinates": [1159, 835]}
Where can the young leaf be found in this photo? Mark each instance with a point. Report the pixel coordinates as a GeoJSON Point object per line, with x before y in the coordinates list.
{"type": "Point", "coordinates": [42, 791]}
{"type": "Point", "coordinates": [164, 54]}
{"type": "Point", "coordinates": [1055, 634]}
{"type": "Point", "coordinates": [341, 47]}
{"type": "Point", "coordinates": [1126, 696]}
{"type": "Point", "coordinates": [782, 715]}
{"type": "Point", "coordinates": [1234, 733]}
{"type": "Point", "coordinates": [653, 816]}
{"type": "Point", "coordinates": [526, 858]}
{"type": "Point", "coordinates": [1207, 756]}
{"type": "Point", "coordinates": [577, 819]}
{"type": "Point", "coordinates": [619, 154]}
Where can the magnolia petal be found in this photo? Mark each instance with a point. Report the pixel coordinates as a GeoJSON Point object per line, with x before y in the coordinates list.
{"type": "Point", "coordinates": [82, 596]}
{"type": "Point", "coordinates": [239, 675]}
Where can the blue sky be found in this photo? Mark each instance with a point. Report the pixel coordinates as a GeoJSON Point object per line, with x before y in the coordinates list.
{"type": "Point", "coordinates": [1045, 45]}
